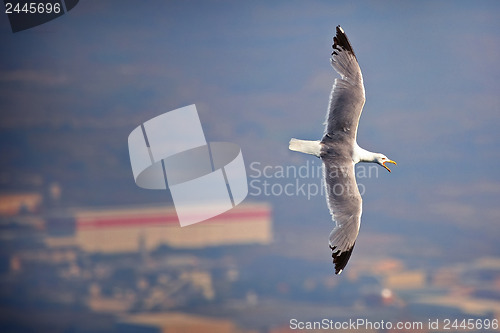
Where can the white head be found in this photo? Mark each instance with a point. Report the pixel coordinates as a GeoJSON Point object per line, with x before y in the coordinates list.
{"type": "Point", "coordinates": [382, 159]}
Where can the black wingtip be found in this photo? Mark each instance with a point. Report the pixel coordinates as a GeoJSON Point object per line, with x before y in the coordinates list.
{"type": "Point", "coordinates": [341, 41]}
{"type": "Point", "coordinates": [340, 259]}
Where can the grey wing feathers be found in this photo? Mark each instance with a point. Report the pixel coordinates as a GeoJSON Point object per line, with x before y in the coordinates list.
{"type": "Point", "coordinates": [348, 94]}
{"type": "Point", "coordinates": [345, 203]}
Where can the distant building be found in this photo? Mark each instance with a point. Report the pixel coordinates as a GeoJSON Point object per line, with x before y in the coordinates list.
{"type": "Point", "coordinates": [406, 280]}
{"type": "Point", "coordinates": [464, 306]}
{"type": "Point", "coordinates": [446, 277]}
{"type": "Point", "coordinates": [18, 203]}
{"type": "Point", "coordinates": [117, 230]}
{"type": "Point", "coordinates": [287, 329]}
{"type": "Point", "coordinates": [175, 322]}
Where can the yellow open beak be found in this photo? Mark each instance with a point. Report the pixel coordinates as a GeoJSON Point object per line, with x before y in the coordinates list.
{"type": "Point", "coordinates": [389, 161]}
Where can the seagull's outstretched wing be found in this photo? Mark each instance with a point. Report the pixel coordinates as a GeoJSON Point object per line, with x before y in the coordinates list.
{"type": "Point", "coordinates": [345, 203]}
{"type": "Point", "coordinates": [348, 93]}
{"type": "Point", "coordinates": [346, 102]}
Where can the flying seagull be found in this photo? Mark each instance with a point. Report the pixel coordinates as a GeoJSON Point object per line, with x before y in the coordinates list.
{"type": "Point", "coordinates": [340, 152]}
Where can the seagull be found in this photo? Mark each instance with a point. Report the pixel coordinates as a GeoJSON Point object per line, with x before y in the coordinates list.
{"type": "Point", "coordinates": [340, 152]}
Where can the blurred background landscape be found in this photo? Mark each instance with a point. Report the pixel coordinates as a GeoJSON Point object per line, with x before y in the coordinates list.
{"type": "Point", "coordinates": [83, 249]}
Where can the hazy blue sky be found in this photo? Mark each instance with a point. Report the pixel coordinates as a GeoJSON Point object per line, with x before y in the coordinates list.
{"type": "Point", "coordinates": [259, 73]}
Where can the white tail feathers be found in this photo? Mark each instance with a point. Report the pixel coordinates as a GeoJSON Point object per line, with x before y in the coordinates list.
{"type": "Point", "coordinates": [305, 146]}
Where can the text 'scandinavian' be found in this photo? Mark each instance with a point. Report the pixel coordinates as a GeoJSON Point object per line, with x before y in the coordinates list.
{"type": "Point", "coordinates": [339, 151]}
